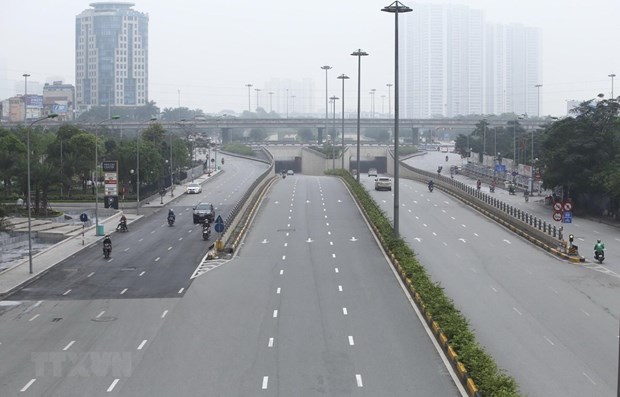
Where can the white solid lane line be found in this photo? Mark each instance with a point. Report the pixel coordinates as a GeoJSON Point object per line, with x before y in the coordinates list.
{"type": "Point", "coordinates": [112, 385]}
{"type": "Point", "coordinates": [23, 389]}
{"type": "Point", "coordinates": [68, 346]}
{"type": "Point", "coordinates": [142, 345]}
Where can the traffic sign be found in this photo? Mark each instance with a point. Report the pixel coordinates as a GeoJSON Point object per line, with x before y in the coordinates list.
{"type": "Point", "coordinates": [567, 217]}
{"type": "Point", "coordinates": [568, 206]}
{"type": "Point", "coordinates": [84, 217]}
{"type": "Point", "coordinates": [557, 206]}
{"type": "Point", "coordinates": [219, 224]}
{"type": "Point", "coordinates": [557, 216]}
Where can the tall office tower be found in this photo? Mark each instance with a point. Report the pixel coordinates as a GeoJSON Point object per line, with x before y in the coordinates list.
{"type": "Point", "coordinates": [111, 56]}
{"type": "Point", "coordinates": [454, 63]}
{"type": "Point", "coordinates": [513, 69]}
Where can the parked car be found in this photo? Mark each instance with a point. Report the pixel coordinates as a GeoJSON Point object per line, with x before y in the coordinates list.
{"type": "Point", "coordinates": [372, 172]}
{"type": "Point", "coordinates": [203, 211]}
{"type": "Point", "coordinates": [383, 183]}
{"type": "Point", "coordinates": [290, 172]}
{"type": "Point", "coordinates": [194, 188]}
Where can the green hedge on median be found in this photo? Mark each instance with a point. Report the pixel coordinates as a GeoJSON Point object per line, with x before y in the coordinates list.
{"type": "Point", "coordinates": [490, 380]}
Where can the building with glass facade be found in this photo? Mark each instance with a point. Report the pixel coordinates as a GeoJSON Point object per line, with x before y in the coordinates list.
{"type": "Point", "coordinates": [111, 56]}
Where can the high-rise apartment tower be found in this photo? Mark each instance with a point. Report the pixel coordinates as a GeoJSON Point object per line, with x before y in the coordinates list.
{"type": "Point", "coordinates": [111, 56]}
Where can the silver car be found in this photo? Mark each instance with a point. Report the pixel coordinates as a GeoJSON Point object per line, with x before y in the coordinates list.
{"type": "Point", "coordinates": [194, 188]}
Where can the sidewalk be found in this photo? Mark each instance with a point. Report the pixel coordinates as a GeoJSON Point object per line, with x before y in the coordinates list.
{"type": "Point", "coordinates": [19, 275]}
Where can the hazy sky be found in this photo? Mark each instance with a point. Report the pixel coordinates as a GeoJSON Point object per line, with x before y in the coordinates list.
{"type": "Point", "coordinates": [210, 49]}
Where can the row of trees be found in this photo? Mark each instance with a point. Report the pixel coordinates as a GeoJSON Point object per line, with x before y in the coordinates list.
{"type": "Point", "coordinates": [62, 162]}
{"type": "Point", "coordinates": [579, 156]}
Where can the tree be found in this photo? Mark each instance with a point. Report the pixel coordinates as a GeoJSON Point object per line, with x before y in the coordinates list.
{"type": "Point", "coordinates": [306, 135]}
{"type": "Point", "coordinates": [582, 154]}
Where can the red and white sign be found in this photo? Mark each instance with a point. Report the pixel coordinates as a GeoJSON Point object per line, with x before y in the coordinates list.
{"type": "Point", "coordinates": [568, 206]}
{"type": "Point", "coordinates": [557, 206]}
{"type": "Point", "coordinates": [557, 216]}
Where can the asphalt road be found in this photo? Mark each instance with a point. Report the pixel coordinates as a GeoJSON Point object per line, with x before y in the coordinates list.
{"type": "Point", "coordinates": [310, 307]}
{"type": "Point", "coordinates": [551, 324]}
{"type": "Point", "coordinates": [88, 321]}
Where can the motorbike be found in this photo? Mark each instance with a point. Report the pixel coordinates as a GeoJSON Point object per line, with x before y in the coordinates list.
{"type": "Point", "coordinates": [511, 190]}
{"type": "Point", "coordinates": [492, 189]}
{"type": "Point", "coordinates": [599, 256]}
{"type": "Point", "coordinates": [170, 220]}
{"type": "Point", "coordinates": [107, 250]}
{"type": "Point", "coordinates": [527, 198]}
{"type": "Point", "coordinates": [430, 188]}
{"type": "Point", "coordinates": [446, 158]}
{"type": "Point", "coordinates": [122, 227]}
{"type": "Point", "coordinates": [206, 231]}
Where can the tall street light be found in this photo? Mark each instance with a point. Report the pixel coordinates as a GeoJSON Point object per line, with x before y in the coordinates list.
{"type": "Point", "coordinates": [396, 8]}
{"type": "Point", "coordinates": [612, 84]}
{"type": "Point", "coordinates": [342, 77]}
{"type": "Point", "coordinates": [359, 54]}
{"type": "Point", "coordinates": [287, 103]}
{"type": "Point", "coordinates": [26, 75]}
{"type": "Point", "coordinates": [514, 141]}
{"type": "Point", "coordinates": [97, 172]}
{"type": "Point", "coordinates": [171, 168]}
{"type": "Point", "coordinates": [389, 86]}
{"type": "Point", "coordinates": [249, 104]}
{"type": "Point", "coordinates": [292, 105]}
{"type": "Point", "coordinates": [334, 99]}
{"type": "Point", "coordinates": [372, 102]}
{"type": "Point", "coordinates": [538, 88]}
{"type": "Point", "coordinates": [257, 91]}
{"type": "Point", "coordinates": [49, 116]}
{"type": "Point", "coordinates": [270, 101]}
{"type": "Point", "coordinates": [138, 169]}
{"type": "Point", "coordinates": [326, 68]}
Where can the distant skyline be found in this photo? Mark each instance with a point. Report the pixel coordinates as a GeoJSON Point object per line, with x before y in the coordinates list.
{"type": "Point", "coordinates": [209, 51]}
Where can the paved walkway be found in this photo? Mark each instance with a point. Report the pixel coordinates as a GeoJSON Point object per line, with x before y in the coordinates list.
{"type": "Point", "coordinates": [14, 278]}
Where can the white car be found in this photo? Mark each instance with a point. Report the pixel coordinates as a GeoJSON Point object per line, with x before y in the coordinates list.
{"type": "Point", "coordinates": [290, 172]}
{"type": "Point", "coordinates": [194, 188]}
{"type": "Point", "coordinates": [372, 172]}
{"type": "Point", "coordinates": [383, 183]}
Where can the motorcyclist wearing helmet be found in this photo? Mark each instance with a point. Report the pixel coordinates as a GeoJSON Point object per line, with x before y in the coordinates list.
{"type": "Point", "coordinates": [599, 248]}
{"type": "Point", "coordinates": [431, 184]}
{"type": "Point", "coordinates": [107, 241]}
{"type": "Point", "coordinates": [171, 214]}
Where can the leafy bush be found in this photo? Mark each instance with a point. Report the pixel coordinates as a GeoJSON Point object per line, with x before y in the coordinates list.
{"type": "Point", "coordinates": [239, 148]}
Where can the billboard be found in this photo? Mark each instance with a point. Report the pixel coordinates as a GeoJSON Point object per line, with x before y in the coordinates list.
{"type": "Point", "coordinates": [34, 101]}
{"type": "Point", "coordinates": [59, 109]}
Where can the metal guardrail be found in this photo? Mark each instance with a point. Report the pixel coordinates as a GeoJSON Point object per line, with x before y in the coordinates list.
{"type": "Point", "coordinates": [523, 220]}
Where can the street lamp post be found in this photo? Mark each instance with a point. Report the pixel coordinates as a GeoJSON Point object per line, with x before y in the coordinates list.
{"type": "Point", "coordinates": [97, 172]}
{"type": "Point", "coordinates": [334, 99]}
{"type": "Point", "coordinates": [612, 84]}
{"type": "Point", "coordinates": [138, 170]}
{"type": "Point", "coordinates": [257, 103]}
{"type": "Point", "coordinates": [389, 86]}
{"type": "Point", "coordinates": [249, 104]}
{"type": "Point", "coordinates": [25, 75]}
{"type": "Point", "coordinates": [538, 88]}
{"type": "Point", "coordinates": [270, 101]}
{"type": "Point", "coordinates": [359, 54]}
{"type": "Point", "coordinates": [326, 68]}
{"type": "Point", "coordinates": [396, 8]}
{"type": "Point", "coordinates": [342, 77]}
{"type": "Point", "coordinates": [292, 105]}
{"type": "Point", "coordinates": [287, 103]}
{"type": "Point", "coordinates": [171, 169]}
{"type": "Point", "coordinates": [28, 203]}
{"type": "Point", "coordinates": [372, 102]}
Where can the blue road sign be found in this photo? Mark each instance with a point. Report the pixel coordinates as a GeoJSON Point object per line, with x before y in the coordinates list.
{"type": "Point", "coordinates": [500, 167]}
{"type": "Point", "coordinates": [219, 224]}
{"type": "Point", "coordinates": [567, 217]}
{"type": "Point", "coordinates": [84, 217]}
